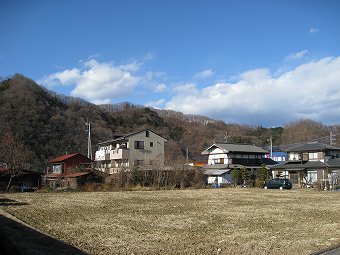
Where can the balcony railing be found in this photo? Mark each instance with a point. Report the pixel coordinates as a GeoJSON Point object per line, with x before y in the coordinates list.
{"type": "Point", "coordinates": [102, 155]}
{"type": "Point", "coordinates": [112, 154]}
{"type": "Point", "coordinates": [119, 154]}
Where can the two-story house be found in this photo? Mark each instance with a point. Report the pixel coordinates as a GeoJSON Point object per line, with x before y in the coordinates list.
{"type": "Point", "coordinates": [310, 163]}
{"type": "Point", "coordinates": [224, 157]}
{"type": "Point", "coordinates": [67, 170]}
{"type": "Point", "coordinates": [141, 148]}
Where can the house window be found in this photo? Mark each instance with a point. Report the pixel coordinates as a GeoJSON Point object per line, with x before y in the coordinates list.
{"type": "Point", "coordinates": [139, 162]}
{"type": "Point", "coordinates": [312, 176]}
{"type": "Point", "coordinates": [151, 144]}
{"type": "Point", "coordinates": [313, 155]}
{"type": "Point", "coordinates": [218, 160]}
{"type": "Point", "coordinates": [139, 145]}
{"type": "Point", "coordinates": [147, 133]}
{"type": "Point", "coordinates": [57, 169]}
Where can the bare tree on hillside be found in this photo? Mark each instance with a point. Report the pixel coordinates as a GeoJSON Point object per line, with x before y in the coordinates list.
{"type": "Point", "coordinates": [14, 154]}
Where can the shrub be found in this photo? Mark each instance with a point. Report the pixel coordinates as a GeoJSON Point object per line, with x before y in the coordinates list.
{"type": "Point", "coordinates": [262, 177]}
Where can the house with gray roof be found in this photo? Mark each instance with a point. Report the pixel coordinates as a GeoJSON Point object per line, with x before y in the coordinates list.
{"type": "Point", "coordinates": [311, 164]}
{"type": "Point", "coordinates": [224, 157]}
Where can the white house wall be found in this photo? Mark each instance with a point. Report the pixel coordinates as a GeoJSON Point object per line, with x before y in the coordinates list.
{"type": "Point", "coordinates": [216, 155]}
{"type": "Point", "coordinates": [222, 179]}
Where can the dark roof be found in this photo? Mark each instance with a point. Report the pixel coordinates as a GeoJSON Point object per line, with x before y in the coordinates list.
{"type": "Point", "coordinates": [22, 171]}
{"type": "Point", "coordinates": [307, 165]}
{"type": "Point", "coordinates": [216, 166]}
{"type": "Point", "coordinates": [315, 164]}
{"type": "Point", "coordinates": [230, 147]}
{"type": "Point", "coordinates": [314, 146]}
{"type": "Point", "coordinates": [335, 162]}
{"type": "Point", "coordinates": [124, 137]}
{"type": "Point", "coordinates": [287, 166]}
{"type": "Point", "coordinates": [268, 162]}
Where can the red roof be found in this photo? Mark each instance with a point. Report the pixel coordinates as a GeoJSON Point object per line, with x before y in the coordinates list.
{"type": "Point", "coordinates": [3, 169]}
{"type": "Point", "coordinates": [63, 158]}
{"type": "Point", "coordinates": [23, 171]}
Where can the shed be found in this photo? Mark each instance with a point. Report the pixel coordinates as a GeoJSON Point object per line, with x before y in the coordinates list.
{"type": "Point", "coordinates": [27, 178]}
{"type": "Point", "coordinates": [218, 176]}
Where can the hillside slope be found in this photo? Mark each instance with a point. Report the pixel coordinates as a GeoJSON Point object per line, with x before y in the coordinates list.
{"type": "Point", "coordinates": [49, 124]}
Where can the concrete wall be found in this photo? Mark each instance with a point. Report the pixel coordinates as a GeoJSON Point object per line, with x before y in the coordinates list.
{"type": "Point", "coordinates": [153, 151]}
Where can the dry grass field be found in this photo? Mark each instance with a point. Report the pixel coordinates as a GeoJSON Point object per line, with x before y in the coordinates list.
{"type": "Point", "coordinates": [207, 221]}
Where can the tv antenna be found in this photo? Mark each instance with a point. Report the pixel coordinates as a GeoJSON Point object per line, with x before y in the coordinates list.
{"type": "Point", "coordinates": [226, 137]}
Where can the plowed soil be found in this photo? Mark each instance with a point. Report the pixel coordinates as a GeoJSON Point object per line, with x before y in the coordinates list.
{"type": "Point", "coordinates": [206, 221]}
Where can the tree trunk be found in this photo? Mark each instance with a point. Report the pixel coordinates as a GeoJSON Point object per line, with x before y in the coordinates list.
{"type": "Point", "coordinates": [9, 183]}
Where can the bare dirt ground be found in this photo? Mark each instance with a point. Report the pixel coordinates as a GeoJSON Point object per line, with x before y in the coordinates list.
{"type": "Point", "coordinates": [207, 221]}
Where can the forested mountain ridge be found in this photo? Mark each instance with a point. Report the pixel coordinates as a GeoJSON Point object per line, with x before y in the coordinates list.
{"type": "Point", "coordinates": [49, 125]}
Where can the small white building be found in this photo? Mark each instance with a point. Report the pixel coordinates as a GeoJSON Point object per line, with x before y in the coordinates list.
{"type": "Point", "coordinates": [225, 157]}
{"type": "Point", "coordinates": [232, 154]}
{"type": "Point", "coordinates": [218, 176]}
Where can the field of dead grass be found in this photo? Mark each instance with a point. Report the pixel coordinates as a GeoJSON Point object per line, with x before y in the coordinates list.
{"type": "Point", "coordinates": [206, 221]}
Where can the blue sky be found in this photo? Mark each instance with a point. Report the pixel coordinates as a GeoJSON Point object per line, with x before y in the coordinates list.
{"type": "Point", "coordinates": [249, 62]}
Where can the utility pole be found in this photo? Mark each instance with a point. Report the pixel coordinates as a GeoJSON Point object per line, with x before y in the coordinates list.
{"type": "Point", "coordinates": [271, 146]}
{"type": "Point", "coordinates": [89, 146]}
{"type": "Point", "coordinates": [187, 154]}
{"type": "Point", "coordinates": [332, 138]}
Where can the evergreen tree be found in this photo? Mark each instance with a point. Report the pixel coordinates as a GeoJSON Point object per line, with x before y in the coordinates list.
{"type": "Point", "coordinates": [262, 176]}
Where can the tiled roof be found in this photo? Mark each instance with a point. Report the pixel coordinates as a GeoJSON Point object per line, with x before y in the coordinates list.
{"type": "Point", "coordinates": [315, 164]}
{"type": "Point", "coordinates": [315, 146]}
{"type": "Point", "coordinates": [124, 137]}
{"type": "Point", "coordinates": [268, 161]}
{"type": "Point", "coordinates": [216, 166]}
{"type": "Point", "coordinates": [230, 147]}
{"type": "Point", "coordinates": [288, 165]}
{"type": "Point", "coordinates": [307, 165]}
{"type": "Point", "coordinates": [63, 158]}
{"type": "Point", "coordinates": [335, 162]}
{"type": "Point", "coordinates": [215, 172]}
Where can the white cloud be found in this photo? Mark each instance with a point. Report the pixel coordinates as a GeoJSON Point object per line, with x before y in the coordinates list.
{"type": "Point", "coordinates": [131, 67]}
{"type": "Point", "coordinates": [149, 56]}
{"type": "Point", "coordinates": [160, 88]}
{"type": "Point", "coordinates": [97, 82]}
{"type": "Point", "coordinates": [204, 74]}
{"type": "Point", "coordinates": [66, 77]}
{"type": "Point", "coordinates": [314, 30]}
{"type": "Point", "coordinates": [150, 76]}
{"type": "Point", "coordinates": [311, 90]}
{"type": "Point", "coordinates": [156, 104]}
{"type": "Point", "coordinates": [297, 55]}
{"type": "Point", "coordinates": [184, 88]}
